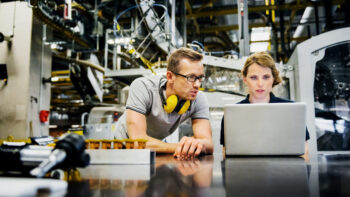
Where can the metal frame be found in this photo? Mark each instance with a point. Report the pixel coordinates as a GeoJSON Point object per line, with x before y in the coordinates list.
{"type": "Point", "coordinates": [303, 62]}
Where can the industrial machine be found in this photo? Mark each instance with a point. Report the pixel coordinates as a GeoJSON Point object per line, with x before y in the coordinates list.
{"type": "Point", "coordinates": [321, 69]}
{"type": "Point", "coordinates": [102, 122]}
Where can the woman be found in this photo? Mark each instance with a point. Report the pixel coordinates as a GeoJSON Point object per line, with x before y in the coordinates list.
{"type": "Point", "coordinates": [260, 75]}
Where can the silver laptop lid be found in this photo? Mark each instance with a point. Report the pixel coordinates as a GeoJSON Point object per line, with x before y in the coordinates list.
{"type": "Point", "coordinates": [265, 129]}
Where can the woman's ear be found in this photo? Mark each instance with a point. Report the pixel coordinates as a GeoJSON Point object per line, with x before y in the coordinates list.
{"type": "Point", "coordinates": [244, 80]}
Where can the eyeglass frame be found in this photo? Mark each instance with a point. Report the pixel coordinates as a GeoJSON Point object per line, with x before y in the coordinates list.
{"type": "Point", "coordinates": [200, 78]}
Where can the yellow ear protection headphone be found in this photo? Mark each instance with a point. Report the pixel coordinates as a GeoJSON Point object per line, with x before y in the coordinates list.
{"type": "Point", "coordinates": [172, 103]}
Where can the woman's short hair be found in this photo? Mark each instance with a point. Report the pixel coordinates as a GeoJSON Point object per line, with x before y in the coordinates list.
{"type": "Point", "coordinates": [179, 54]}
{"type": "Point", "coordinates": [265, 60]}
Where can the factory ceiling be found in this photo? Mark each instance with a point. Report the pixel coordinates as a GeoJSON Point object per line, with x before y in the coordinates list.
{"type": "Point", "coordinates": [211, 24]}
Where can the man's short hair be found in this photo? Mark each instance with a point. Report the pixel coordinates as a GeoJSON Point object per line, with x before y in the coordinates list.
{"type": "Point", "coordinates": [182, 53]}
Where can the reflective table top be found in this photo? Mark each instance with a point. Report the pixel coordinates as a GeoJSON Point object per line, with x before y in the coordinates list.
{"type": "Point", "coordinates": [213, 175]}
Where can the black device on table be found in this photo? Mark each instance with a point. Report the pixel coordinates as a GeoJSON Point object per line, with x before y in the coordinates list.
{"type": "Point", "coordinates": [32, 160]}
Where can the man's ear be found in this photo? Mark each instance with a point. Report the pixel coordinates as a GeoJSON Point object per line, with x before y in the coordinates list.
{"type": "Point", "coordinates": [169, 76]}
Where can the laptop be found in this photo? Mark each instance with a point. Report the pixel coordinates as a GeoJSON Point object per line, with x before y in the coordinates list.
{"type": "Point", "coordinates": [265, 129]}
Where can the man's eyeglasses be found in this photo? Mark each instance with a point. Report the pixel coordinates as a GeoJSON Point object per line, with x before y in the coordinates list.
{"type": "Point", "coordinates": [191, 78]}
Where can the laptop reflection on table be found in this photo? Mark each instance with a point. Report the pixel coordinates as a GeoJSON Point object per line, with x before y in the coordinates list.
{"type": "Point", "coordinates": [263, 176]}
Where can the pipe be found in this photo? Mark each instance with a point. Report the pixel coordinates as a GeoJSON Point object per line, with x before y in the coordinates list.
{"type": "Point", "coordinates": [83, 63]}
{"type": "Point", "coordinates": [184, 22]}
{"type": "Point", "coordinates": [301, 28]}
{"type": "Point", "coordinates": [83, 118]}
{"type": "Point", "coordinates": [317, 20]}
{"type": "Point", "coordinates": [328, 12]}
{"type": "Point", "coordinates": [283, 44]}
{"type": "Point", "coordinates": [173, 29]}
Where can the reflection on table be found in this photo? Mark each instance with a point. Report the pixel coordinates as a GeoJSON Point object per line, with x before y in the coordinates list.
{"type": "Point", "coordinates": [322, 175]}
{"type": "Point", "coordinates": [168, 177]}
{"type": "Point", "coordinates": [266, 177]}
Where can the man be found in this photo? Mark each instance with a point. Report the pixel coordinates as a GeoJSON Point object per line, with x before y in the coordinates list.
{"type": "Point", "coordinates": [150, 97]}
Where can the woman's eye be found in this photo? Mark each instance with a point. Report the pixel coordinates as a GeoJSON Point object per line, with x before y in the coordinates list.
{"type": "Point", "coordinates": [253, 77]}
{"type": "Point", "coordinates": [267, 77]}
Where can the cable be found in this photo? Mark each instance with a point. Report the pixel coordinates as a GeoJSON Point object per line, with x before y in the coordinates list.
{"type": "Point", "coordinates": [231, 52]}
{"type": "Point", "coordinates": [116, 25]}
{"type": "Point", "coordinates": [198, 43]}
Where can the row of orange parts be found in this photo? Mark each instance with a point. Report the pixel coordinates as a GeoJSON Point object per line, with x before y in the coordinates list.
{"type": "Point", "coordinates": [116, 144]}
{"type": "Point", "coordinates": [129, 186]}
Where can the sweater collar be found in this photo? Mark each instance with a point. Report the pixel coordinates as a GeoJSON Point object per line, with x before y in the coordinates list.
{"type": "Point", "coordinates": [272, 98]}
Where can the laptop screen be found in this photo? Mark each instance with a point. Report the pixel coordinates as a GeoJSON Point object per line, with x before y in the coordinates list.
{"type": "Point", "coordinates": [265, 129]}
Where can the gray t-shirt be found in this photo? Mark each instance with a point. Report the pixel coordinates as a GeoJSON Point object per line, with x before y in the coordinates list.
{"type": "Point", "coordinates": [144, 98]}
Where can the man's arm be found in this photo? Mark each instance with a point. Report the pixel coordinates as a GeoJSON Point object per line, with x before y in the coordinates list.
{"type": "Point", "coordinates": [201, 142]}
{"type": "Point", "coordinates": [137, 128]}
{"type": "Point", "coordinates": [202, 131]}
{"type": "Point", "coordinates": [306, 153]}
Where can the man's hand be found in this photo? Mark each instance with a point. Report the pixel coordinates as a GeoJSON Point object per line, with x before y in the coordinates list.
{"type": "Point", "coordinates": [189, 147]}
{"type": "Point", "coordinates": [189, 167]}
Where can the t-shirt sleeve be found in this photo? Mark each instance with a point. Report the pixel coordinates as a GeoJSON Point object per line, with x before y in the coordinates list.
{"type": "Point", "coordinates": [201, 107]}
{"type": "Point", "coordinates": [139, 96]}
